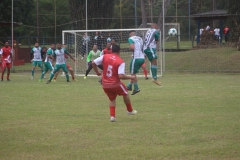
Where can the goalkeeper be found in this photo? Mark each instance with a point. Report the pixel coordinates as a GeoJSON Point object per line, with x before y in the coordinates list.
{"type": "Point", "coordinates": [93, 54]}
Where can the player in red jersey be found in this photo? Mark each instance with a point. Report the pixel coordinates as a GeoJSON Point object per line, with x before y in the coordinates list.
{"type": "Point", "coordinates": [108, 49]}
{"type": "Point", "coordinates": [113, 71]}
{"type": "Point", "coordinates": [5, 59]}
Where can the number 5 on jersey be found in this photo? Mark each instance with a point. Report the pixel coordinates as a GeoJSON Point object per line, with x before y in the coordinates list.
{"type": "Point", "coordinates": [109, 71]}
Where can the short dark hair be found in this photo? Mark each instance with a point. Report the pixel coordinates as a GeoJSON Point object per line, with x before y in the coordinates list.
{"type": "Point", "coordinates": [132, 31]}
{"type": "Point", "coordinates": [115, 48]}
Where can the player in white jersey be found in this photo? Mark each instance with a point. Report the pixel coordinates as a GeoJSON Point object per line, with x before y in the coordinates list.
{"type": "Point", "coordinates": [70, 69]}
{"type": "Point", "coordinates": [60, 62]}
{"type": "Point", "coordinates": [136, 45]}
{"type": "Point", "coordinates": [37, 58]}
{"type": "Point", "coordinates": [151, 38]}
{"type": "Point", "coordinates": [48, 62]}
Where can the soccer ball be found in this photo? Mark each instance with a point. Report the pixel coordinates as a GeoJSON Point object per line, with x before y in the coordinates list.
{"type": "Point", "coordinates": [172, 32]}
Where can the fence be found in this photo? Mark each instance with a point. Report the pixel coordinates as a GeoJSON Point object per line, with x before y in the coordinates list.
{"type": "Point", "coordinates": [47, 24]}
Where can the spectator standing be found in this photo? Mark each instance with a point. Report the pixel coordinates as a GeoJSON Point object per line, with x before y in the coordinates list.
{"type": "Point", "coordinates": [217, 33]}
{"type": "Point", "coordinates": [85, 41]}
{"type": "Point", "coordinates": [208, 27]}
{"type": "Point", "coordinates": [226, 33]}
{"type": "Point", "coordinates": [98, 40]}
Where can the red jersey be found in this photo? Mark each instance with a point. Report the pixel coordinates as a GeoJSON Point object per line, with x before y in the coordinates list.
{"type": "Point", "coordinates": [225, 30]}
{"type": "Point", "coordinates": [113, 66]}
{"type": "Point", "coordinates": [5, 52]}
{"type": "Point", "coordinates": [107, 51]}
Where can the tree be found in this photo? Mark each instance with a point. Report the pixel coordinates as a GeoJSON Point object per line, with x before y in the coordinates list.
{"type": "Point", "coordinates": [234, 19]}
{"type": "Point", "coordinates": [21, 11]}
{"type": "Point", "coordinates": [160, 17]}
{"type": "Point", "coordinates": [99, 13]}
{"type": "Point", "coordinates": [144, 17]}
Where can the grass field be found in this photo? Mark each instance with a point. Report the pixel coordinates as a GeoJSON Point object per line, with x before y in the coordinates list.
{"type": "Point", "coordinates": [192, 116]}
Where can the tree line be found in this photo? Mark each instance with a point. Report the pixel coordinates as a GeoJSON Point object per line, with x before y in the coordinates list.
{"type": "Point", "coordinates": [106, 14]}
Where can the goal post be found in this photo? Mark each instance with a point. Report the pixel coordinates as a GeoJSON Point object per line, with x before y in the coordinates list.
{"type": "Point", "coordinates": [73, 39]}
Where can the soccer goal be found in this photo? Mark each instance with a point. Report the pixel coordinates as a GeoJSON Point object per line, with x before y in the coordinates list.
{"type": "Point", "coordinates": [74, 41]}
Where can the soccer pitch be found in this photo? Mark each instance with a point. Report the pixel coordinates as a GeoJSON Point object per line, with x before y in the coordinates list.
{"type": "Point", "coordinates": [191, 116]}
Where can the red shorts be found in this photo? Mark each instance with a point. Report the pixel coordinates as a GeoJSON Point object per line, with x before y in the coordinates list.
{"type": "Point", "coordinates": [144, 65]}
{"type": "Point", "coordinates": [112, 93]}
{"type": "Point", "coordinates": [68, 66]}
{"type": "Point", "coordinates": [6, 64]}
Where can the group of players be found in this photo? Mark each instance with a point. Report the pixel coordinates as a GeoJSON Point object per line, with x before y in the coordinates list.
{"type": "Point", "coordinates": [55, 54]}
{"type": "Point", "coordinates": [109, 61]}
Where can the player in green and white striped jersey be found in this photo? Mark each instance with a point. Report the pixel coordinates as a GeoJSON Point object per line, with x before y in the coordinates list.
{"type": "Point", "coordinates": [36, 57]}
{"type": "Point", "coordinates": [48, 62]}
{"type": "Point", "coordinates": [150, 41]}
{"type": "Point", "coordinates": [60, 62]}
{"type": "Point", "coordinates": [136, 45]}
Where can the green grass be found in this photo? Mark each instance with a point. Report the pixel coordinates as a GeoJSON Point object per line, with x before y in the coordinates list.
{"type": "Point", "coordinates": [192, 116]}
{"type": "Point", "coordinates": [202, 60]}
{"type": "Point", "coordinates": [216, 59]}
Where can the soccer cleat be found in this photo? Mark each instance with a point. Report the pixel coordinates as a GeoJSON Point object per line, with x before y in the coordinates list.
{"type": "Point", "coordinates": [8, 80]}
{"type": "Point", "coordinates": [40, 80]}
{"type": "Point", "coordinates": [113, 119]}
{"type": "Point", "coordinates": [32, 78]}
{"type": "Point", "coordinates": [146, 78]}
{"type": "Point", "coordinates": [156, 82]}
{"type": "Point", "coordinates": [129, 88]}
{"type": "Point", "coordinates": [85, 77]}
{"type": "Point", "coordinates": [135, 91]}
{"type": "Point", "coordinates": [2, 79]}
{"type": "Point", "coordinates": [132, 113]}
{"type": "Point", "coordinates": [75, 80]}
{"type": "Point", "coordinates": [49, 81]}
{"type": "Point", "coordinates": [68, 81]}
{"type": "Point", "coordinates": [54, 80]}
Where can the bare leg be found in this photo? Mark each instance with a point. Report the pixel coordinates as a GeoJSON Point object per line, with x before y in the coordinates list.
{"type": "Point", "coordinates": [8, 73]}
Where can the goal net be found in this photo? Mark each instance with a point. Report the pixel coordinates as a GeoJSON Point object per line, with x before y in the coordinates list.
{"type": "Point", "coordinates": [75, 41]}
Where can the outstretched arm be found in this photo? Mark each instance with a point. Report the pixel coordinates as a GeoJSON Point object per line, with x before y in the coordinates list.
{"type": "Point", "coordinates": [65, 51]}
{"type": "Point", "coordinates": [96, 68]}
{"type": "Point", "coordinates": [97, 62]}
{"type": "Point", "coordinates": [71, 57]}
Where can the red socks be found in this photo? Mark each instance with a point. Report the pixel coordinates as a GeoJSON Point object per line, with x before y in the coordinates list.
{"type": "Point", "coordinates": [129, 107]}
{"type": "Point", "coordinates": [7, 77]}
{"type": "Point", "coordinates": [112, 111]}
{"type": "Point", "coordinates": [145, 72]}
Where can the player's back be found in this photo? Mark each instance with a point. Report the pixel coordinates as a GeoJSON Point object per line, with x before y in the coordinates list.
{"type": "Point", "coordinates": [150, 37]}
{"type": "Point", "coordinates": [138, 46]}
{"type": "Point", "coordinates": [111, 63]}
